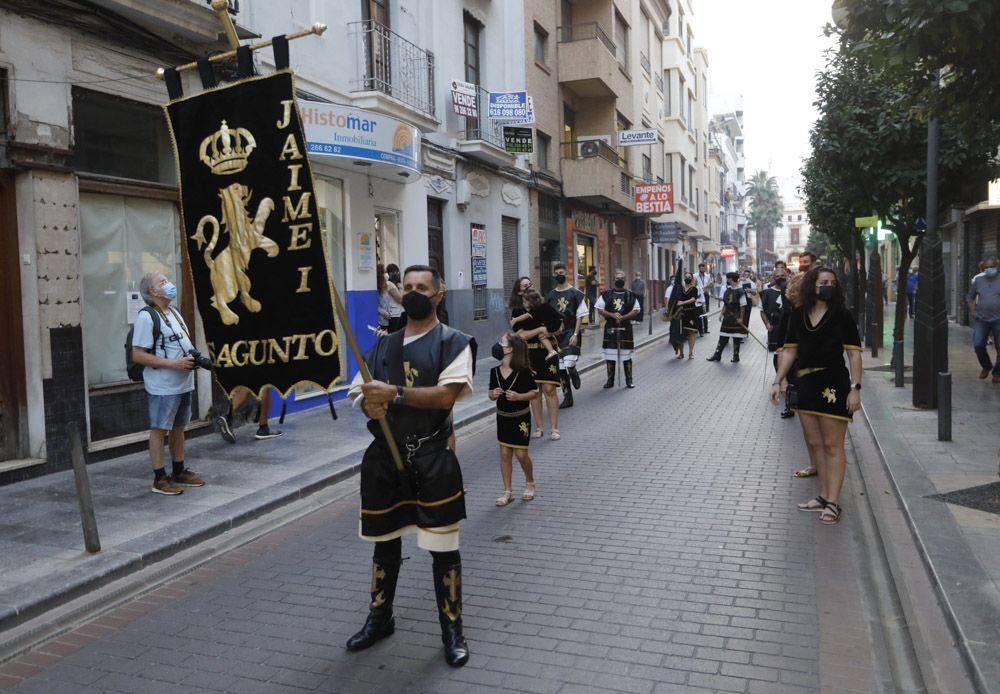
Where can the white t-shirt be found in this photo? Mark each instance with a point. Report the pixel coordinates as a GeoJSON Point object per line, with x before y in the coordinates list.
{"type": "Point", "coordinates": [174, 339]}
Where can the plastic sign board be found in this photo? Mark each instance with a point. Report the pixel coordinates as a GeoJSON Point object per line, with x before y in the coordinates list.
{"type": "Point", "coordinates": [664, 232]}
{"type": "Point", "coordinates": [862, 222]}
{"type": "Point", "coordinates": [463, 98]}
{"type": "Point", "coordinates": [478, 238]}
{"type": "Point", "coordinates": [727, 252]}
{"type": "Point", "coordinates": [355, 133]}
{"type": "Point", "coordinates": [518, 140]}
{"type": "Point", "coordinates": [654, 198]}
{"type": "Point", "coordinates": [509, 106]}
{"type": "Point", "coordinates": [629, 138]}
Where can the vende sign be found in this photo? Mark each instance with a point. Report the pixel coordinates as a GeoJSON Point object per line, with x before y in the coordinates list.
{"type": "Point", "coordinates": [654, 198]}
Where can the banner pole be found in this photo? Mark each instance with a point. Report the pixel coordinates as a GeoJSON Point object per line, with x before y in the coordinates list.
{"type": "Point", "coordinates": [221, 8]}
{"type": "Point", "coordinates": [365, 374]}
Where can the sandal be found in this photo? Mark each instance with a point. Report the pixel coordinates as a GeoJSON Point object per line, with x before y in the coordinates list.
{"type": "Point", "coordinates": [830, 514]}
{"type": "Point", "coordinates": [529, 492]}
{"type": "Point", "coordinates": [508, 496]}
{"type": "Point", "coordinates": [691, 356]}
{"type": "Point", "coordinates": [817, 504]}
{"type": "Point", "coordinates": [805, 472]}
{"type": "Point", "coordinates": [537, 434]}
{"type": "Point", "coordinates": [555, 435]}
{"type": "Point", "coordinates": [680, 355]}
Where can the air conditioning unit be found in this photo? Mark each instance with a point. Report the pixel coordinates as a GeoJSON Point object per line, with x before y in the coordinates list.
{"type": "Point", "coordinates": [462, 192]}
{"type": "Point", "coordinates": [589, 145]}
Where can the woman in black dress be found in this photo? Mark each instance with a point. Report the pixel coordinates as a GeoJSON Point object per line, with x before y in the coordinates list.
{"type": "Point", "coordinates": [513, 387]}
{"type": "Point", "coordinates": [546, 320]}
{"type": "Point", "coordinates": [820, 330]}
{"type": "Point", "coordinates": [690, 314]}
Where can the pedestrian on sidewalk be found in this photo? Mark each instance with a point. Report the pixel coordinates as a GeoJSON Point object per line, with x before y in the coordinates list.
{"type": "Point", "coordinates": [984, 307]}
{"type": "Point", "coordinates": [390, 311]}
{"type": "Point", "coordinates": [513, 387]}
{"type": "Point", "coordinates": [571, 304]}
{"type": "Point", "coordinates": [638, 288]}
{"type": "Point", "coordinates": [590, 288]}
{"type": "Point", "coordinates": [911, 292]}
{"type": "Point", "coordinates": [618, 307]}
{"type": "Point", "coordinates": [168, 379]}
{"type": "Point", "coordinates": [735, 317]}
{"type": "Point", "coordinates": [705, 285]}
{"type": "Point", "coordinates": [819, 332]}
{"type": "Point", "coordinates": [418, 373]}
{"type": "Point", "coordinates": [264, 432]}
{"type": "Point", "coordinates": [807, 261]}
{"type": "Point", "coordinates": [775, 310]}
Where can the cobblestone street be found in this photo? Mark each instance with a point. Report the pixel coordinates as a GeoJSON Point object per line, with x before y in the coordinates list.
{"type": "Point", "coordinates": [663, 553]}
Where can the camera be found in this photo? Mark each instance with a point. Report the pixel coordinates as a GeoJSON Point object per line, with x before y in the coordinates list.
{"type": "Point", "coordinates": [201, 361]}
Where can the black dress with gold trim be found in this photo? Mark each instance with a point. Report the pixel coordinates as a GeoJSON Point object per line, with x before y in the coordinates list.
{"type": "Point", "coordinates": [513, 418]}
{"type": "Point", "coordinates": [690, 312]}
{"type": "Point", "coordinates": [541, 315]}
{"type": "Point", "coordinates": [824, 381]}
{"type": "Point", "coordinates": [429, 493]}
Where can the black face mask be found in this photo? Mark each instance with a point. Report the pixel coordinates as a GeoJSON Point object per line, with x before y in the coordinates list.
{"type": "Point", "coordinates": [620, 283]}
{"type": "Point", "coordinates": [560, 279]}
{"type": "Point", "coordinates": [826, 292]}
{"type": "Point", "coordinates": [780, 283]}
{"type": "Point", "coordinates": [394, 278]}
{"type": "Point", "coordinates": [689, 280]}
{"type": "Point", "coordinates": [417, 305]}
{"type": "Point", "coordinates": [497, 351]}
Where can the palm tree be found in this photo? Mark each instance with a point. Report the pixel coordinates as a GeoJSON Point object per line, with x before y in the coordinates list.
{"type": "Point", "coordinates": [766, 210]}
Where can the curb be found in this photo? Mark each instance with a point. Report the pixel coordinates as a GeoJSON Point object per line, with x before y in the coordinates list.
{"type": "Point", "coordinates": [961, 584]}
{"type": "Point", "coordinates": [143, 551]}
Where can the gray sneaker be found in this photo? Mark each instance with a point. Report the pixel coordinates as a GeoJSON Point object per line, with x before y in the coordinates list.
{"type": "Point", "coordinates": [225, 430]}
{"type": "Point", "coordinates": [266, 432]}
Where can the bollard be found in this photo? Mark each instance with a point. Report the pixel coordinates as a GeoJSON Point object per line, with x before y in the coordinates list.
{"type": "Point", "coordinates": [897, 361]}
{"type": "Point", "coordinates": [944, 405]}
{"type": "Point", "coordinates": [90, 538]}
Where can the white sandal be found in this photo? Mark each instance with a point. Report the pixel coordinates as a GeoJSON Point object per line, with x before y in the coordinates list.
{"type": "Point", "coordinates": [537, 434]}
{"type": "Point", "coordinates": [555, 435]}
{"type": "Point", "coordinates": [508, 497]}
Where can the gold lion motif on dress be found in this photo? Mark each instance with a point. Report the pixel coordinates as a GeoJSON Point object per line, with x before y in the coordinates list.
{"type": "Point", "coordinates": [523, 428]}
{"type": "Point", "coordinates": [830, 395]}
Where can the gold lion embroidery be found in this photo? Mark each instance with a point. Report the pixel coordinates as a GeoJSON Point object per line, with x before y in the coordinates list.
{"type": "Point", "coordinates": [831, 395]}
{"type": "Point", "coordinates": [226, 152]}
{"type": "Point", "coordinates": [410, 374]}
{"type": "Point", "coordinates": [619, 304]}
{"type": "Point", "coordinates": [523, 428]}
{"type": "Point", "coordinates": [552, 368]}
{"type": "Point", "coordinates": [563, 304]}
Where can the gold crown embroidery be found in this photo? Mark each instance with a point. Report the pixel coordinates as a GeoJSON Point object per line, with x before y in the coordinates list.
{"type": "Point", "coordinates": [227, 151]}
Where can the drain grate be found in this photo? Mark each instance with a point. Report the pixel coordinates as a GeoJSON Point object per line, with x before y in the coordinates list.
{"type": "Point", "coordinates": [985, 497]}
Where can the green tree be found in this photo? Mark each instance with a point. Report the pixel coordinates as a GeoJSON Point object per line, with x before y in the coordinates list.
{"type": "Point", "coordinates": [869, 154]}
{"type": "Point", "coordinates": [917, 38]}
{"type": "Point", "coordinates": [766, 210]}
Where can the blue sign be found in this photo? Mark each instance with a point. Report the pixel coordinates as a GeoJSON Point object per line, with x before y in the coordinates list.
{"type": "Point", "coordinates": [357, 134]}
{"type": "Point", "coordinates": [478, 270]}
{"type": "Point", "coordinates": [509, 105]}
{"type": "Point", "coordinates": [664, 232]}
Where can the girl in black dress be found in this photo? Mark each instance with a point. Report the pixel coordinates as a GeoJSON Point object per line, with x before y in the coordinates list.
{"type": "Point", "coordinates": [820, 330]}
{"type": "Point", "coordinates": [690, 314]}
{"type": "Point", "coordinates": [512, 386]}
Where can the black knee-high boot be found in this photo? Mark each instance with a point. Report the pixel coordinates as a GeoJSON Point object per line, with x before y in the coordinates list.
{"type": "Point", "coordinates": [567, 391]}
{"type": "Point", "coordinates": [574, 377]}
{"type": "Point", "coordinates": [723, 341]}
{"type": "Point", "coordinates": [610, 366]}
{"type": "Point", "coordinates": [380, 622]}
{"type": "Point", "coordinates": [627, 366]}
{"type": "Point", "coordinates": [448, 591]}
{"type": "Point", "coordinates": [736, 349]}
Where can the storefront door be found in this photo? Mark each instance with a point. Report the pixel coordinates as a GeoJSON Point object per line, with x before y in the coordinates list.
{"type": "Point", "coordinates": [586, 254]}
{"type": "Point", "coordinates": [12, 387]}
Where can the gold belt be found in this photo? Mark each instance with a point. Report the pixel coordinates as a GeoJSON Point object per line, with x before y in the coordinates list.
{"type": "Point", "coordinates": [519, 413]}
{"type": "Point", "coordinates": [805, 372]}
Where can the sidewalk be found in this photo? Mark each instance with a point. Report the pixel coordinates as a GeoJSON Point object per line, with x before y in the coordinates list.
{"type": "Point", "coordinates": [42, 560]}
{"type": "Point", "coordinates": [960, 545]}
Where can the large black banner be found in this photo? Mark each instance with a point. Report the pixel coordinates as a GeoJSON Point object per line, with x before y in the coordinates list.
{"type": "Point", "coordinates": [253, 235]}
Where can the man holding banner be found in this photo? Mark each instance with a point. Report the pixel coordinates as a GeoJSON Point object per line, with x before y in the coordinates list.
{"type": "Point", "coordinates": [418, 373]}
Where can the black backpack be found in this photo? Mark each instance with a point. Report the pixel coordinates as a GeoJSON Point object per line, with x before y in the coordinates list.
{"type": "Point", "coordinates": [135, 370]}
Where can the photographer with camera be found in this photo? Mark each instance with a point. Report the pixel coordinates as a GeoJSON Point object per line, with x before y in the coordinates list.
{"type": "Point", "coordinates": [168, 358]}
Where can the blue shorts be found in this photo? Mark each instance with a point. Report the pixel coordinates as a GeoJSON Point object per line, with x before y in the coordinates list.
{"type": "Point", "coordinates": [169, 411]}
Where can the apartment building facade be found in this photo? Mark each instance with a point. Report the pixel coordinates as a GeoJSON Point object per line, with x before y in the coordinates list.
{"type": "Point", "coordinates": [791, 237]}
{"type": "Point", "coordinates": [90, 199]}
{"type": "Point", "coordinates": [727, 136]}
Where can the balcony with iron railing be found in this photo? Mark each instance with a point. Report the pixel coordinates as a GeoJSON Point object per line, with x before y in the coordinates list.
{"type": "Point", "coordinates": [587, 63]}
{"type": "Point", "coordinates": [594, 173]}
{"type": "Point", "coordinates": [394, 76]}
{"type": "Point", "coordinates": [483, 136]}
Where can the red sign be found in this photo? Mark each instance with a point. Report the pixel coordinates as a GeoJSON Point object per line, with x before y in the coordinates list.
{"type": "Point", "coordinates": [654, 198]}
{"type": "Point", "coordinates": [727, 252]}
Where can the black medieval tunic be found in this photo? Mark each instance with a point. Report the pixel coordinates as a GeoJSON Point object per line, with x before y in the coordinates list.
{"type": "Point", "coordinates": [617, 335]}
{"type": "Point", "coordinates": [513, 418]}
{"type": "Point", "coordinates": [428, 496]}
{"type": "Point", "coordinates": [567, 303]}
{"type": "Point", "coordinates": [541, 315]}
{"type": "Point", "coordinates": [736, 305]}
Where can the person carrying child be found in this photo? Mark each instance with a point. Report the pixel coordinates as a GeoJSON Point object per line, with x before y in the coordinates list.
{"type": "Point", "coordinates": [536, 321]}
{"type": "Point", "coordinates": [512, 386]}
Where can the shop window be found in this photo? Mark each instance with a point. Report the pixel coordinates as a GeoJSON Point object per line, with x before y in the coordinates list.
{"type": "Point", "coordinates": [122, 238]}
{"type": "Point", "coordinates": [118, 137]}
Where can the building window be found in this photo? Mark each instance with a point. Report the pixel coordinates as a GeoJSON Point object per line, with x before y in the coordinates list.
{"type": "Point", "coordinates": [541, 44]}
{"type": "Point", "coordinates": [472, 28]}
{"type": "Point", "coordinates": [542, 142]}
{"type": "Point", "coordinates": [621, 40]}
{"type": "Point", "coordinates": [667, 91]}
{"type": "Point", "coordinates": [569, 127]}
{"type": "Point", "coordinates": [681, 91]}
{"type": "Point", "coordinates": [4, 111]}
{"type": "Point", "coordinates": [118, 137]}
{"type": "Point", "coordinates": [121, 238]}
{"type": "Point", "coordinates": [793, 236]}
{"type": "Point", "coordinates": [799, 219]}
{"type": "Point", "coordinates": [647, 168]}
{"type": "Point", "coordinates": [684, 187]}
{"type": "Point", "coordinates": [668, 168]}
